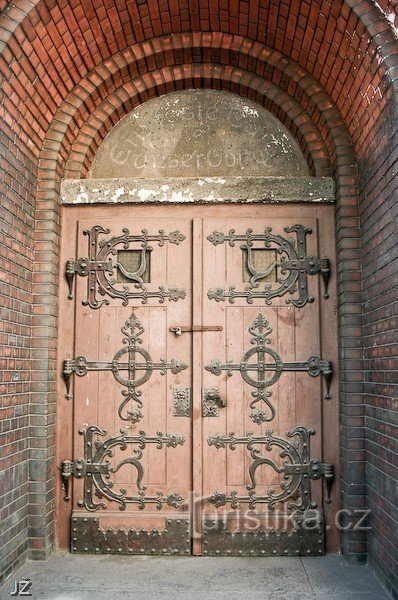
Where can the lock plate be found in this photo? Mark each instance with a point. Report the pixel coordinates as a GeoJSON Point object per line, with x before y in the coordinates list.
{"type": "Point", "coordinates": [212, 401]}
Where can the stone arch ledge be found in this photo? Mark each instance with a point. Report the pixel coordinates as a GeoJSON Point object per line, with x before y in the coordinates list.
{"type": "Point", "coordinates": [200, 190]}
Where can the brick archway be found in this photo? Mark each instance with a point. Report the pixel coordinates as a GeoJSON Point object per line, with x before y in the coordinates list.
{"type": "Point", "coordinates": [327, 72]}
{"type": "Point", "coordinates": [76, 128]}
{"type": "Point", "coordinates": [121, 101]}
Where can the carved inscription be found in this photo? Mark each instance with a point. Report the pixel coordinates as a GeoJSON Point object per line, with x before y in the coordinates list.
{"type": "Point", "coordinates": [202, 133]}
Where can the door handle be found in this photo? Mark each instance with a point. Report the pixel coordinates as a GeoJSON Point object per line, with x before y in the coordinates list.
{"type": "Point", "coordinates": [179, 330]}
{"type": "Point", "coordinates": [212, 401]}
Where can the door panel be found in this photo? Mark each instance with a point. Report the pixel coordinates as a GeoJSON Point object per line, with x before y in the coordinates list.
{"type": "Point", "coordinates": [247, 443]}
{"type": "Point", "coordinates": [123, 400]}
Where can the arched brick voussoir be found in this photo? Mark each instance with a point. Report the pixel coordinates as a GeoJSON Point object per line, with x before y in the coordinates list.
{"type": "Point", "coordinates": [11, 18]}
{"type": "Point", "coordinates": [123, 100]}
{"type": "Point", "coordinates": [381, 29]}
{"type": "Point", "coordinates": [375, 20]}
{"type": "Point", "coordinates": [79, 103]}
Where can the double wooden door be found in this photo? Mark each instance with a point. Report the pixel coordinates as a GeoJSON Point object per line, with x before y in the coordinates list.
{"type": "Point", "coordinates": [195, 384]}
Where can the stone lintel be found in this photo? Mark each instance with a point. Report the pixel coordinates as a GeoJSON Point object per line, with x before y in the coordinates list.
{"type": "Point", "coordinates": [200, 190]}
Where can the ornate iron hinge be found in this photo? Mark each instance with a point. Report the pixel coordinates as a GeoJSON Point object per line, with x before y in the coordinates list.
{"type": "Point", "coordinates": [268, 368]}
{"type": "Point", "coordinates": [291, 265]}
{"type": "Point", "coordinates": [125, 360]}
{"type": "Point", "coordinates": [79, 468]}
{"type": "Point", "coordinates": [72, 268]}
{"type": "Point", "coordinates": [96, 469]}
{"type": "Point", "coordinates": [297, 470]}
{"type": "Point", "coordinates": [101, 269]}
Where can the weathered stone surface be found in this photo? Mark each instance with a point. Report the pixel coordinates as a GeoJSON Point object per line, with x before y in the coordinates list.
{"type": "Point", "coordinates": [199, 133]}
{"type": "Point", "coordinates": [199, 190]}
{"type": "Point", "coordinates": [85, 576]}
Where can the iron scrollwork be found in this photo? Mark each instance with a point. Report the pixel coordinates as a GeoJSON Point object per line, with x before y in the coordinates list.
{"type": "Point", "coordinates": [96, 469]}
{"type": "Point", "coordinates": [125, 359]}
{"type": "Point", "coordinates": [291, 264]}
{"type": "Point", "coordinates": [268, 368]}
{"type": "Point", "coordinates": [296, 471]}
{"type": "Point", "coordinates": [101, 269]}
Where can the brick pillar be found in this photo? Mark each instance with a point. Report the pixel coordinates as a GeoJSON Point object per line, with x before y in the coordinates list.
{"type": "Point", "coordinates": [42, 469]}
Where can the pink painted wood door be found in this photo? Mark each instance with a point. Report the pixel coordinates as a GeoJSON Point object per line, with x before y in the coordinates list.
{"type": "Point", "coordinates": [130, 386]}
{"type": "Point", "coordinates": [211, 439]}
{"type": "Point", "coordinates": [261, 400]}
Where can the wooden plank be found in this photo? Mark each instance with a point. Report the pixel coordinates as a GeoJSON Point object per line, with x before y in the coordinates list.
{"type": "Point", "coordinates": [329, 349]}
{"type": "Point", "coordinates": [65, 350]}
{"type": "Point", "coordinates": [197, 433]}
{"type": "Point", "coordinates": [237, 402]}
{"type": "Point", "coordinates": [156, 399]}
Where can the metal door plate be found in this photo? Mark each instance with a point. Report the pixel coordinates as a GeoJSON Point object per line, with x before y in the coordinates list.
{"type": "Point", "coordinates": [182, 404]}
{"type": "Point", "coordinates": [88, 537]}
{"type": "Point", "coordinates": [306, 538]}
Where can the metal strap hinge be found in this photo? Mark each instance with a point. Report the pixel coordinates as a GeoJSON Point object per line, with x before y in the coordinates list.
{"type": "Point", "coordinates": [102, 265]}
{"type": "Point", "coordinates": [79, 468]}
{"type": "Point", "coordinates": [72, 267]}
{"type": "Point", "coordinates": [315, 469]}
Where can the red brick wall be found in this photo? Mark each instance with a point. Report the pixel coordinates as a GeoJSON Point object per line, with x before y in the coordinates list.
{"type": "Point", "coordinates": [379, 228]}
{"type": "Point", "coordinates": [17, 188]}
{"type": "Point", "coordinates": [326, 68]}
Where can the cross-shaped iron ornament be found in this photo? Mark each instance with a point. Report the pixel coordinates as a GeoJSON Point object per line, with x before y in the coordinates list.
{"type": "Point", "coordinates": [125, 360]}
{"type": "Point", "coordinates": [268, 362]}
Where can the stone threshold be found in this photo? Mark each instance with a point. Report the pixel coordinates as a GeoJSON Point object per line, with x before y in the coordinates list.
{"type": "Point", "coordinates": [200, 190]}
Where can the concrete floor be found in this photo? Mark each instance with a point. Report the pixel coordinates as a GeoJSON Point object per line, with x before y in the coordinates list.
{"type": "Point", "coordinates": [77, 577]}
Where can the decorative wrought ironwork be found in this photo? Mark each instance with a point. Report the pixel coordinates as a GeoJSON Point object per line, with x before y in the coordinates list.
{"type": "Point", "coordinates": [297, 470]}
{"type": "Point", "coordinates": [268, 362]}
{"type": "Point", "coordinates": [305, 538]}
{"type": "Point", "coordinates": [291, 264]}
{"type": "Point", "coordinates": [87, 536]}
{"type": "Point", "coordinates": [125, 359]}
{"type": "Point", "coordinates": [211, 402]}
{"type": "Point", "coordinates": [96, 469]}
{"type": "Point", "coordinates": [101, 269]}
{"type": "Point", "coordinates": [182, 402]}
